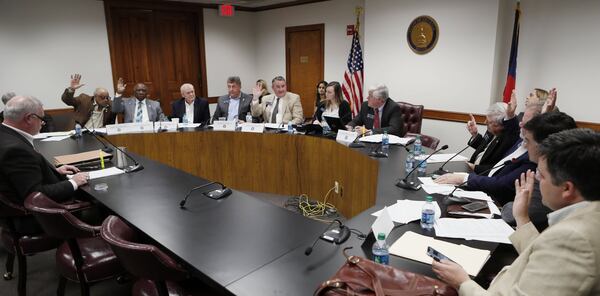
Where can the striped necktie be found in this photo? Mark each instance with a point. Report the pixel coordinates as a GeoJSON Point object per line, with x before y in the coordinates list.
{"type": "Point", "coordinates": [138, 115]}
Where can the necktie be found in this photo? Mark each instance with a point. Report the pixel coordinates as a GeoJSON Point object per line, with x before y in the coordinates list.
{"type": "Point", "coordinates": [376, 123]}
{"type": "Point", "coordinates": [138, 115]}
{"type": "Point", "coordinates": [275, 111]}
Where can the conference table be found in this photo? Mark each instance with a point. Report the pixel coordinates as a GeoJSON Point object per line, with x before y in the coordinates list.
{"type": "Point", "coordinates": [244, 245]}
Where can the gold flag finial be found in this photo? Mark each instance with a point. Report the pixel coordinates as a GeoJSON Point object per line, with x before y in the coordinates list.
{"type": "Point", "coordinates": [358, 11]}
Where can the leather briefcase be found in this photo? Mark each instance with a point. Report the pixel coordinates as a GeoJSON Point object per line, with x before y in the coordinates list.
{"type": "Point", "coordinates": [360, 276]}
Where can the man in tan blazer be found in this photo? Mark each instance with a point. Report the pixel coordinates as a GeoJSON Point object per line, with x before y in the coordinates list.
{"type": "Point", "coordinates": [91, 112]}
{"type": "Point", "coordinates": [280, 107]}
{"type": "Point", "coordinates": [565, 258]}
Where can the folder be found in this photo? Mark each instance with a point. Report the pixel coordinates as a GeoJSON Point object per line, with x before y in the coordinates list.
{"type": "Point", "coordinates": [80, 157]}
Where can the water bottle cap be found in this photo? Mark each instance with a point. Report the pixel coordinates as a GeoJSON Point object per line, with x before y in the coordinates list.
{"type": "Point", "coordinates": [381, 236]}
{"type": "Point", "coordinates": [429, 198]}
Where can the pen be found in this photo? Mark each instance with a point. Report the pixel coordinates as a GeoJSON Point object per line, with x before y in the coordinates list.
{"type": "Point", "coordinates": [101, 160]}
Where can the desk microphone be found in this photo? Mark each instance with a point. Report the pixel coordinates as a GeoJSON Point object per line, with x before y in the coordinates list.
{"type": "Point", "coordinates": [459, 199]}
{"type": "Point", "coordinates": [441, 170]}
{"type": "Point", "coordinates": [106, 149]}
{"type": "Point", "coordinates": [405, 184]}
{"type": "Point", "coordinates": [377, 151]}
{"type": "Point", "coordinates": [136, 166]}
{"type": "Point", "coordinates": [215, 194]}
{"type": "Point", "coordinates": [336, 236]}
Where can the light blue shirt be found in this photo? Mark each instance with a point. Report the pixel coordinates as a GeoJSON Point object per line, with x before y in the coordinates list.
{"type": "Point", "coordinates": [234, 107]}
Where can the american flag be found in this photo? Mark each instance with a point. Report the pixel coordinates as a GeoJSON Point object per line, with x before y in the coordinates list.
{"type": "Point", "coordinates": [352, 87]}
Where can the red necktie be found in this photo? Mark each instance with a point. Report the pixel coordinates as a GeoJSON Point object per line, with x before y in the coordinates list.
{"type": "Point", "coordinates": [376, 123]}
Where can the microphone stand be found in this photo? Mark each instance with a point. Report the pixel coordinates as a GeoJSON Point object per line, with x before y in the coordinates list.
{"type": "Point", "coordinates": [106, 149]}
{"type": "Point", "coordinates": [441, 170]}
{"type": "Point", "coordinates": [411, 185]}
{"type": "Point", "coordinates": [136, 166]}
{"type": "Point", "coordinates": [337, 237]}
{"type": "Point", "coordinates": [222, 193]}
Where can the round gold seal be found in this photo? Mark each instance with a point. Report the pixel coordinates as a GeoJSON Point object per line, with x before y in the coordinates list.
{"type": "Point", "coordinates": [422, 34]}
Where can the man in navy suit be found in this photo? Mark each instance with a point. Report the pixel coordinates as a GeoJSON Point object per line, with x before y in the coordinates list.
{"type": "Point", "coordinates": [378, 114]}
{"type": "Point", "coordinates": [191, 108]}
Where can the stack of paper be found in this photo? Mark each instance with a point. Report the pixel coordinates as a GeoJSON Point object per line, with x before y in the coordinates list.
{"type": "Point", "coordinates": [54, 134]}
{"type": "Point", "coordinates": [105, 173]}
{"type": "Point", "coordinates": [393, 139]}
{"type": "Point", "coordinates": [405, 211]}
{"type": "Point", "coordinates": [414, 246]}
{"type": "Point", "coordinates": [490, 230]}
{"type": "Point", "coordinates": [437, 158]}
{"type": "Point", "coordinates": [432, 188]}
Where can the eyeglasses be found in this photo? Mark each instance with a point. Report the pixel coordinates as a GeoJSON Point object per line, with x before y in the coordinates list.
{"type": "Point", "coordinates": [40, 118]}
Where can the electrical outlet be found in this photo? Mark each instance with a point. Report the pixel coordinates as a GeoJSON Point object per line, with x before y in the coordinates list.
{"type": "Point", "coordinates": [336, 186]}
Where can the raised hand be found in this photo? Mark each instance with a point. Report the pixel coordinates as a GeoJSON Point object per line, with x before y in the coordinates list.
{"type": "Point", "coordinates": [75, 82]}
{"type": "Point", "coordinates": [550, 103]}
{"type": "Point", "coordinates": [472, 126]}
{"type": "Point", "coordinates": [523, 188]}
{"type": "Point", "coordinates": [256, 92]}
{"type": "Point", "coordinates": [512, 105]}
{"type": "Point", "coordinates": [121, 85]}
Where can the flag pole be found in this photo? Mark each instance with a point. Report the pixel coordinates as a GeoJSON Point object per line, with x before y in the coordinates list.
{"type": "Point", "coordinates": [358, 11]}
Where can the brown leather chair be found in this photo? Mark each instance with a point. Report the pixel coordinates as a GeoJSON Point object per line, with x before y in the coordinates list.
{"type": "Point", "coordinates": [84, 257]}
{"type": "Point", "coordinates": [427, 141]}
{"type": "Point", "coordinates": [157, 272]}
{"type": "Point", "coordinates": [19, 244]}
{"type": "Point", "coordinates": [413, 117]}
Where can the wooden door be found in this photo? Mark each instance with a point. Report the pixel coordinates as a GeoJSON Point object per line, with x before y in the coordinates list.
{"type": "Point", "coordinates": [305, 62]}
{"type": "Point", "coordinates": [161, 46]}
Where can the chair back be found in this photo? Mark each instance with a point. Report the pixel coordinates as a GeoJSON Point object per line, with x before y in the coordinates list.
{"type": "Point", "coordinates": [141, 260]}
{"type": "Point", "coordinates": [412, 116]}
{"type": "Point", "coordinates": [55, 218]}
{"type": "Point", "coordinates": [427, 141]}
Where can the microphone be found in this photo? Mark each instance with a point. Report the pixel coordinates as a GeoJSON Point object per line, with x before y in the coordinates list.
{"type": "Point", "coordinates": [215, 194]}
{"type": "Point", "coordinates": [441, 170]}
{"type": "Point", "coordinates": [377, 151]}
{"type": "Point", "coordinates": [129, 169]}
{"type": "Point", "coordinates": [334, 235]}
{"type": "Point", "coordinates": [106, 149]}
{"type": "Point", "coordinates": [459, 199]}
{"type": "Point", "coordinates": [405, 184]}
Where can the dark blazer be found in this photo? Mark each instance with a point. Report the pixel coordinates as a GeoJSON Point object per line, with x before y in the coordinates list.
{"type": "Point", "coordinates": [222, 109]}
{"type": "Point", "coordinates": [344, 112]}
{"type": "Point", "coordinates": [24, 170]}
{"type": "Point", "coordinates": [497, 148]}
{"type": "Point", "coordinates": [391, 118]}
{"type": "Point", "coordinates": [201, 112]}
{"type": "Point", "coordinates": [47, 127]}
{"type": "Point", "coordinates": [83, 107]}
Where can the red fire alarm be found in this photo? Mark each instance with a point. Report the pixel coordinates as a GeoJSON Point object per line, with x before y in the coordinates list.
{"type": "Point", "coordinates": [226, 10]}
{"type": "Point", "coordinates": [350, 30]}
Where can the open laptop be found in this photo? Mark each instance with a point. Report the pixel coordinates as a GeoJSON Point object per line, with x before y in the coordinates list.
{"type": "Point", "coordinates": [335, 123]}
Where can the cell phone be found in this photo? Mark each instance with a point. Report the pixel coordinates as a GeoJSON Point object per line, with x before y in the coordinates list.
{"type": "Point", "coordinates": [437, 256]}
{"type": "Point", "coordinates": [475, 206]}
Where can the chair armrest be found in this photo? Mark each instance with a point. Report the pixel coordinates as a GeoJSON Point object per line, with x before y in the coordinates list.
{"type": "Point", "coordinates": [77, 205]}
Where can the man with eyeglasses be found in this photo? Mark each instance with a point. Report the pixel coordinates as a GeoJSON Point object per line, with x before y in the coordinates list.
{"type": "Point", "coordinates": [92, 112]}
{"type": "Point", "coordinates": [23, 170]}
{"type": "Point", "coordinates": [48, 121]}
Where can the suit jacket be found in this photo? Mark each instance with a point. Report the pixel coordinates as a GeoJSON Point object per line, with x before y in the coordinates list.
{"type": "Point", "coordinates": [84, 105]}
{"type": "Point", "coordinates": [289, 104]}
{"type": "Point", "coordinates": [562, 260]}
{"type": "Point", "coordinates": [497, 148]}
{"type": "Point", "coordinates": [222, 109]}
{"type": "Point", "coordinates": [201, 112]}
{"type": "Point", "coordinates": [391, 118]}
{"type": "Point", "coordinates": [24, 170]}
{"type": "Point", "coordinates": [127, 107]}
{"type": "Point", "coordinates": [344, 112]}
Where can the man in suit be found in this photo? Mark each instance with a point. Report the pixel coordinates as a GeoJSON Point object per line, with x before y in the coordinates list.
{"type": "Point", "coordinates": [138, 108]}
{"type": "Point", "coordinates": [378, 114]}
{"type": "Point", "coordinates": [501, 134]}
{"type": "Point", "coordinates": [280, 107]}
{"type": "Point", "coordinates": [48, 125]}
{"type": "Point", "coordinates": [565, 258]}
{"type": "Point", "coordinates": [23, 169]}
{"type": "Point", "coordinates": [91, 112]}
{"type": "Point", "coordinates": [190, 107]}
{"type": "Point", "coordinates": [235, 105]}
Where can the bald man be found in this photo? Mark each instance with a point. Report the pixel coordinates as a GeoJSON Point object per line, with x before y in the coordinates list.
{"type": "Point", "coordinates": [92, 112]}
{"type": "Point", "coordinates": [190, 107]}
{"type": "Point", "coordinates": [139, 108]}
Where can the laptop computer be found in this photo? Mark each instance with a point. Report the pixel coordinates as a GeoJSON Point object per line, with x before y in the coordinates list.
{"type": "Point", "coordinates": [335, 123]}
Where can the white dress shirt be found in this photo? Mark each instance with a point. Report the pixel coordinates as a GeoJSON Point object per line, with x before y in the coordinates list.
{"type": "Point", "coordinates": [189, 112]}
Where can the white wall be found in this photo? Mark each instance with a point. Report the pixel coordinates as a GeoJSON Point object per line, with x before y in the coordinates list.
{"type": "Point", "coordinates": [43, 42]}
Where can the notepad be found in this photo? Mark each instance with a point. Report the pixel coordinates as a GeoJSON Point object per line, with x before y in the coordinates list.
{"type": "Point", "coordinates": [393, 139]}
{"type": "Point", "coordinates": [414, 246]}
{"type": "Point", "coordinates": [490, 230]}
{"type": "Point", "coordinates": [105, 173]}
{"type": "Point", "coordinates": [80, 157]}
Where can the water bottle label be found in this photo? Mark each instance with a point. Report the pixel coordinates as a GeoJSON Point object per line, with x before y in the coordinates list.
{"type": "Point", "coordinates": [382, 259]}
{"type": "Point", "coordinates": [427, 218]}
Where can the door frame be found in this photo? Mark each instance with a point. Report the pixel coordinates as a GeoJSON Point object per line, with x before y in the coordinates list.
{"type": "Point", "coordinates": [314, 27]}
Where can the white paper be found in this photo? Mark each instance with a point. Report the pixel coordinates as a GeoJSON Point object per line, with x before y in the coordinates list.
{"type": "Point", "coordinates": [55, 139]}
{"type": "Point", "coordinates": [53, 134]}
{"type": "Point", "coordinates": [105, 173]}
{"type": "Point", "coordinates": [490, 230]}
{"type": "Point", "coordinates": [101, 130]}
{"type": "Point", "coordinates": [393, 139]}
{"type": "Point", "coordinates": [406, 211]}
{"type": "Point", "coordinates": [438, 188]}
{"type": "Point", "coordinates": [383, 223]}
{"type": "Point", "coordinates": [414, 246]}
{"type": "Point", "coordinates": [275, 126]}
{"type": "Point", "coordinates": [480, 195]}
{"type": "Point", "coordinates": [188, 125]}
{"type": "Point", "coordinates": [443, 157]}
{"type": "Point", "coordinates": [345, 137]}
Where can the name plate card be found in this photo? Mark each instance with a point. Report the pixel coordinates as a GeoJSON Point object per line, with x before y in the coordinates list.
{"type": "Point", "coordinates": [345, 137]}
{"type": "Point", "coordinates": [253, 128]}
{"type": "Point", "coordinates": [165, 126]}
{"type": "Point", "coordinates": [224, 126]}
{"type": "Point", "coordinates": [129, 128]}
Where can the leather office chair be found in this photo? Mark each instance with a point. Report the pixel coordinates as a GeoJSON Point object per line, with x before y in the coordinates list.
{"type": "Point", "coordinates": [412, 116]}
{"type": "Point", "coordinates": [84, 257]}
{"type": "Point", "coordinates": [157, 272]}
{"type": "Point", "coordinates": [427, 141]}
{"type": "Point", "coordinates": [20, 244]}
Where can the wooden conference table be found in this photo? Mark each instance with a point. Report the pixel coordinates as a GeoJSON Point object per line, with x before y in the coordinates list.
{"type": "Point", "coordinates": [243, 245]}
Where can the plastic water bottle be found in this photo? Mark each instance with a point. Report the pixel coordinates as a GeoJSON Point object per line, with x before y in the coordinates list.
{"type": "Point", "coordinates": [418, 146]}
{"type": "Point", "coordinates": [77, 130]}
{"type": "Point", "coordinates": [428, 214]}
{"type": "Point", "coordinates": [422, 169]}
{"type": "Point", "coordinates": [249, 118]}
{"type": "Point", "coordinates": [408, 166]}
{"type": "Point", "coordinates": [381, 252]}
{"type": "Point", "coordinates": [290, 128]}
{"type": "Point", "coordinates": [385, 142]}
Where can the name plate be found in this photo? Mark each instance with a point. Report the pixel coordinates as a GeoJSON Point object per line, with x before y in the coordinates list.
{"type": "Point", "coordinates": [165, 126]}
{"type": "Point", "coordinates": [253, 128]}
{"type": "Point", "coordinates": [224, 126]}
{"type": "Point", "coordinates": [345, 137]}
{"type": "Point", "coordinates": [128, 128]}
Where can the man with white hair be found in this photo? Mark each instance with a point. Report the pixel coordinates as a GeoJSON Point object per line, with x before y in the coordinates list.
{"type": "Point", "coordinates": [191, 108]}
{"type": "Point", "coordinates": [91, 112]}
{"type": "Point", "coordinates": [378, 114]}
{"type": "Point", "coordinates": [23, 169]}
